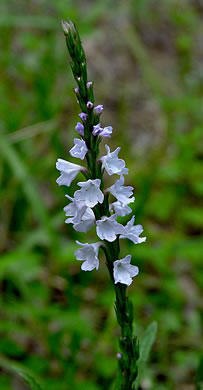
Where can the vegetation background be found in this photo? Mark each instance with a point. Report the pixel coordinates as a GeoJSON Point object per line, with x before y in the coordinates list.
{"type": "Point", "coordinates": [145, 58]}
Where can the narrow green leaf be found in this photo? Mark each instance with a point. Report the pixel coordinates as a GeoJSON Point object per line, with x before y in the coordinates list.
{"type": "Point", "coordinates": [11, 156]}
{"type": "Point", "coordinates": [145, 348]}
{"type": "Point", "coordinates": [17, 369]}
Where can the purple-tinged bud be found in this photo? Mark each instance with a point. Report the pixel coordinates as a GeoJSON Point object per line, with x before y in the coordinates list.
{"type": "Point", "coordinates": [98, 109]}
{"type": "Point", "coordinates": [119, 356]}
{"type": "Point", "coordinates": [89, 84]}
{"type": "Point", "coordinates": [80, 129]}
{"type": "Point", "coordinates": [90, 105]}
{"type": "Point", "coordinates": [77, 91]}
{"type": "Point", "coordinates": [79, 78]}
{"type": "Point", "coordinates": [83, 116]}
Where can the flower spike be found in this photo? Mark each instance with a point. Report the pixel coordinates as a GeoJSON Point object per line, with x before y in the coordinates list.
{"type": "Point", "coordinates": [90, 205]}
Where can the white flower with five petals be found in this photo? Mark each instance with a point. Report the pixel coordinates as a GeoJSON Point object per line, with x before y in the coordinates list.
{"type": "Point", "coordinates": [112, 163]}
{"type": "Point", "coordinates": [89, 254]}
{"type": "Point", "coordinates": [132, 232]}
{"type": "Point", "coordinates": [123, 271]}
{"type": "Point", "coordinates": [68, 172]}
{"type": "Point", "coordinates": [122, 193]}
{"type": "Point", "coordinates": [90, 192]}
{"type": "Point", "coordinates": [80, 149]}
{"type": "Point", "coordinates": [107, 228]}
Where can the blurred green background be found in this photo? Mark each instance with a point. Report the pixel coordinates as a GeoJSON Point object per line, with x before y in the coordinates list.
{"type": "Point", "coordinates": [145, 58]}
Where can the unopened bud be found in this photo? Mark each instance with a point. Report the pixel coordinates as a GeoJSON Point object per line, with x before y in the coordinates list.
{"type": "Point", "coordinates": [83, 116]}
{"type": "Point", "coordinates": [98, 109]}
{"type": "Point", "coordinates": [89, 84]}
{"type": "Point", "coordinates": [80, 128]}
{"type": "Point", "coordinates": [90, 105]}
{"type": "Point", "coordinates": [77, 91]}
{"type": "Point", "coordinates": [66, 27]}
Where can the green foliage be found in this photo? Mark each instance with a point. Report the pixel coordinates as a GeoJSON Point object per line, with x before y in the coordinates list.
{"type": "Point", "coordinates": [17, 369]}
{"type": "Point", "coordinates": [145, 348]}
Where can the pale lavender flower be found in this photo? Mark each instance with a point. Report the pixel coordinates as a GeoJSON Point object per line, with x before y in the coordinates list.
{"type": "Point", "coordinates": [98, 109]}
{"type": "Point", "coordinates": [77, 91]}
{"type": "Point", "coordinates": [112, 163]}
{"type": "Point", "coordinates": [108, 227]}
{"type": "Point", "coordinates": [90, 105]}
{"type": "Point", "coordinates": [103, 132]}
{"type": "Point", "coordinates": [122, 193]}
{"type": "Point", "coordinates": [74, 209]}
{"type": "Point", "coordinates": [123, 271]}
{"type": "Point", "coordinates": [86, 222]}
{"type": "Point", "coordinates": [132, 232]}
{"type": "Point", "coordinates": [68, 172]}
{"type": "Point", "coordinates": [80, 149]}
{"type": "Point", "coordinates": [89, 254]}
{"type": "Point", "coordinates": [80, 129]}
{"type": "Point", "coordinates": [90, 192]}
{"type": "Point", "coordinates": [83, 116]}
{"type": "Point", "coordinates": [119, 209]}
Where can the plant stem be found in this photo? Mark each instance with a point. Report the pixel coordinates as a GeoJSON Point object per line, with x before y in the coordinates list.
{"type": "Point", "coordinates": [129, 347]}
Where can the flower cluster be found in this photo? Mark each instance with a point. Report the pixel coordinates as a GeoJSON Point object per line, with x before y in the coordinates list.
{"type": "Point", "coordinates": [86, 206]}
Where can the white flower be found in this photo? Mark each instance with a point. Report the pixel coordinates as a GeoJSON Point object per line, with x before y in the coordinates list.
{"type": "Point", "coordinates": [75, 209]}
{"type": "Point", "coordinates": [87, 221]}
{"type": "Point", "coordinates": [122, 193]}
{"type": "Point", "coordinates": [90, 192]}
{"type": "Point", "coordinates": [80, 149]}
{"type": "Point", "coordinates": [132, 232]}
{"type": "Point", "coordinates": [123, 271]}
{"type": "Point", "coordinates": [82, 216]}
{"type": "Point", "coordinates": [68, 172]}
{"type": "Point", "coordinates": [119, 209]}
{"type": "Point", "coordinates": [108, 227]}
{"type": "Point", "coordinates": [112, 163]}
{"type": "Point", "coordinates": [88, 254]}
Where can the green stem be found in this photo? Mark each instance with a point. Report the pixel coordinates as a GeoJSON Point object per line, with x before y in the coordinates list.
{"type": "Point", "coordinates": [129, 349]}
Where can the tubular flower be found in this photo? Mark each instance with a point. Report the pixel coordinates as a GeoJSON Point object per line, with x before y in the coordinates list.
{"type": "Point", "coordinates": [119, 209]}
{"type": "Point", "coordinates": [80, 149]}
{"type": "Point", "coordinates": [68, 172]}
{"type": "Point", "coordinates": [122, 193]}
{"type": "Point", "coordinates": [123, 271]}
{"type": "Point", "coordinates": [75, 210]}
{"type": "Point", "coordinates": [103, 132]}
{"type": "Point", "coordinates": [86, 222]}
{"type": "Point", "coordinates": [90, 192]}
{"type": "Point", "coordinates": [108, 228]}
{"type": "Point", "coordinates": [132, 232]}
{"type": "Point", "coordinates": [89, 254]}
{"type": "Point", "coordinates": [113, 164]}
